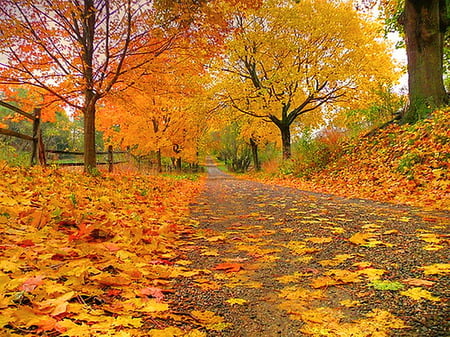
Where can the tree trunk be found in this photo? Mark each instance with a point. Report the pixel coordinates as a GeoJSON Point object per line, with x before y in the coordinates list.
{"type": "Point", "coordinates": [158, 161]}
{"type": "Point", "coordinates": [424, 36]}
{"type": "Point", "coordinates": [254, 147]}
{"type": "Point", "coordinates": [90, 160]}
{"type": "Point", "coordinates": [178, 164]}
{"type": "Point", "coordinates": [90, 97]}
{"type": "Point", "coordinates": [285, 140]}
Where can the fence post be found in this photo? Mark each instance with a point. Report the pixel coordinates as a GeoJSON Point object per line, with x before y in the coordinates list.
{"type": "Point", "coordinates": [36, 128]}
{"type": "Point", "coordinates": [110, 158]}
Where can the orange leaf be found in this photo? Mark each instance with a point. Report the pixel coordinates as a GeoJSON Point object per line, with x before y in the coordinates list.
{"type": "Point", "coordinates": [229, 267]}
{"type": "Point", "coordinates": [418, 282]}
{"type": "Point", "coordinates": [32, 283]}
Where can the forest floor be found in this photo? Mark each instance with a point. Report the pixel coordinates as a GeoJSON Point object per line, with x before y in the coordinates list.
{"type": "Point", "coordinates": [284, 262]}
{"type": "Point", "coordinates": [152, 256]}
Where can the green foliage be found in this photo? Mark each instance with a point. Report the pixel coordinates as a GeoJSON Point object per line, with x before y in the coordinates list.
{"type": "Point", "coordinates": [312, 154]}
{"type": "Point", "coordinates": [386, 285]}
{"type": "Point", "coordinates": [12, 156]}
{"type": "Point", "coordinates": [234, 151]}
{"type": "Point", "coordinates": [387, 106]}
{"type": "Point", "coordinates": [407, 162]}
{"type": "Point", "coordinates": [418, 110]}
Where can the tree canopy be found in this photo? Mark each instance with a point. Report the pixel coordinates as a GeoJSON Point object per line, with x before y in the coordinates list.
{"type": "Point", "coordinates": [286, 59]}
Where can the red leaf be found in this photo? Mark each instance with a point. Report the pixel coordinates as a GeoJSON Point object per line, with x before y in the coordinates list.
{"type": "Point", "coordinates": [25, 243]}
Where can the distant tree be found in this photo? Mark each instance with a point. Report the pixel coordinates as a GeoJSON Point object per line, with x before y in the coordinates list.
{"type": "Point", "coordinates": [287, 59]}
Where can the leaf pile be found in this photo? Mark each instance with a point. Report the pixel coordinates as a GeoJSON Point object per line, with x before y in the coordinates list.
{"type": "Point", "coordinates": [83, 256]}
{"type": "Point", "coordinates": [405, 164]}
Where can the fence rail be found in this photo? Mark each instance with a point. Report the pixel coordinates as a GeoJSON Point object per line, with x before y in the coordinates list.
{"type": "Point", "coordinates": [37, 148]}
{"type": "Point", "coordinates": [110, 160]}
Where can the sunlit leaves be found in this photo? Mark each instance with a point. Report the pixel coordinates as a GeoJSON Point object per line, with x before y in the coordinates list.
{"type": "Point", "coordinates": [436, 269]}
{"type": "Point", "coordinates": [285, 60]}
{"type": "Point", "coordinates": [369, 168]}
{"type": "Point", "coordinates": [89, 247]}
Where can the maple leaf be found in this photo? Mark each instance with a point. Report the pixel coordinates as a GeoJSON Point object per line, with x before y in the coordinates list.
{"type": "Point", "coordinates": [386, 285]}
{"type": "Point", "coordinates": [239, 301]}
{"type": "Point", "coordinates": [418, 282]}
{"type": "Point", "coordinates": [229, 267]}
{"type": "Point", "coordinates": [127, 321]}
{"type": "Point", "coordinates": [210, 320]}
{"type": "Point", "coordinates": [32, 283]}
{"type": "Point", "coordinates": [170, 331]}
{"type": "Point", "coordinates": [157, 293]}
{"type": "Point", "coordinates": [56, 306]}
{"type": "Point", "coordinates": [361, 238]}
{"type": "Point", "coordinates": [418, 293]}
{"type": "Point", "coordinates": [436, 269]}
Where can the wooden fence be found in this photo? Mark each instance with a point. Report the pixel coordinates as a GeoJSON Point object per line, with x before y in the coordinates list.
{"type": "Point", "coordinates": [37, 148]}
{"type": "Point", "coordinates": [109, 160]}
{"type": "Point", "coordinates": [38, 152]}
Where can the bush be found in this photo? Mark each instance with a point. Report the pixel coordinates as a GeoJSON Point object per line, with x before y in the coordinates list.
{"type": "Point", "coordinates": [312, 154]}
{"type": "Point", "coordinates": [12, 156]}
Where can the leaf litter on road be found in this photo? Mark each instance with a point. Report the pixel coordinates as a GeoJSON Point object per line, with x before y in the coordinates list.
{"type": "Point", "coordinates": [127, 259]}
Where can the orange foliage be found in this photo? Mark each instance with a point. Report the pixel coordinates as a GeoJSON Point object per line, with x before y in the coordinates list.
{"type": "Point", "coordinates": [403, 164]}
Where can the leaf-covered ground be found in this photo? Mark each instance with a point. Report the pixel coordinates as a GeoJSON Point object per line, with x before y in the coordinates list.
{"type": "Point", "coordinates": [406, 164]}
{"type": "Point", "coordinates": [276, 261]}
{"type": "Point", "coordinates": [83, 256]}
{"type": "Point", "coordinates": [147, 256]}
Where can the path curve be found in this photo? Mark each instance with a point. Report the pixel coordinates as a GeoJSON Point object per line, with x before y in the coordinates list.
{"type": "Point", "coordinates": [286, 244]}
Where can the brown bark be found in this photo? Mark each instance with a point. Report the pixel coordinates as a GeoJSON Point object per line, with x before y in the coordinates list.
{"type": "Point", "coordinates": [90, 97]}
{"type": "Point", "coordinates": [90, 158]}
{"type": "Point", "coordinates": [158, 161]}
{"type": "Point", "coordinates": [424, 37]}
{"type": "Point", "coordinates": [286, 140]}
{"type": "Point", "coordinates": [254, 146]}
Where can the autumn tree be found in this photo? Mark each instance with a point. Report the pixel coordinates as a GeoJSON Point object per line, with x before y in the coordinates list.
{"type": "Point", "coordinates": [160, 114]}
{"type": "Point", "coordinates": [78, 51]}
{"type": "Point", "coordinates": [286, 59]}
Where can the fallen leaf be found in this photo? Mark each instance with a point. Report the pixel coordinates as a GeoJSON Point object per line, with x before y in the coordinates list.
{"type": "Point", "coordinates": [419, 293]}
{"type": "Point", "coordinates": [239, 301]}
{"type": "Point", "coordinates": [418, 282]}
{"type": "Point", "coordinates": [229, 267]}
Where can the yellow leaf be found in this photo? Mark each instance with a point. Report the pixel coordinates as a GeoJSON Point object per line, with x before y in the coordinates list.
{"type": "Point", "coordinates": [195, 333]}
{"type": "Point", "coordinates": [372, 273]}
{"type": "Point", "coordinates": [360, 238]}
{"type": "Point", "coordinates": [436, 269]}
{"type": "Point", "coordinates": [75, 330]}
{"type": "Point", "coordinates": [429, 237]}
{"type": "Point", "coordinates": [127, 321]}
{"type": "Point", "coordinates": [418, 293]}
{"type": "Point", "coordinates": [239, 301]}
{"type": "Point", "coordinates": [392, 231]}
{"type": "Point", "coordinates": [349, 303]}
{"type": "Point", "coordinates": [167, 332]}
{"type": "Point", "coordinates": [432, 247]}
{"type": "Point", "coordinates": [418, 282]}
{"type": "Point", "coordinates": [56, 306]}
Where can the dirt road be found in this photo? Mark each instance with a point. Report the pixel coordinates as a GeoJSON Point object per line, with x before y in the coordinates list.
{"type": "Point", "coordinates": [278, 261]}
